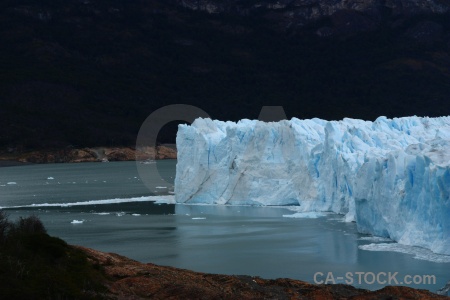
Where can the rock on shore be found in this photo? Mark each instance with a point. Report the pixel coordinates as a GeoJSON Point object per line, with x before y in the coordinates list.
{"type": "Point", "coordinates": [91, 155]}
{"type": "Point", "coordinates": [129, 279]}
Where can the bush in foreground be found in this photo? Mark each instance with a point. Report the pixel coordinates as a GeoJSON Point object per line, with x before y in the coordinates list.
{"type": "Point", "coordinates": [34, 265]}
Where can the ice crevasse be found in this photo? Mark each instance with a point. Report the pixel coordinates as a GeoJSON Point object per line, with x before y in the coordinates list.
{"type": "Point", "coordinates": [391, 176]}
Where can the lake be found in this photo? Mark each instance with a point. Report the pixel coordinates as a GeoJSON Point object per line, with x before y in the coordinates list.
{"type": "Point", "coordinates": [106, 206]}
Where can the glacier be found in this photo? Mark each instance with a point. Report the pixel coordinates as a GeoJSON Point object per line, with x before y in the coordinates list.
{"type": "Point", "coordinates": [390, 176]}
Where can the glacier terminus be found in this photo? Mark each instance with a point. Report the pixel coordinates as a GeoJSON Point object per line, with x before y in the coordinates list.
{"type": "Point", "coordinates": [390, 176]}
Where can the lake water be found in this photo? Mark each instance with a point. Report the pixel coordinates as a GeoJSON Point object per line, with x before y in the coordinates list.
{"type": "Point", "coordinates": [107, 207]}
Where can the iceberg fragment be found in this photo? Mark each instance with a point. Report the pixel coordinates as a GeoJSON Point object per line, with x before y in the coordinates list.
{"type": "Point", "coordinates": [77, 222]}
{"type": "Point", "coordinates": [391, 176]}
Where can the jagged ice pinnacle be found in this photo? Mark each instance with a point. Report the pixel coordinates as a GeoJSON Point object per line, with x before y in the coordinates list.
{"type": "Point", "coordinates": [391, 176]}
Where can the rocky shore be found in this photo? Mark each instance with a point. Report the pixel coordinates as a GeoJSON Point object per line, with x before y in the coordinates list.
{"type": "Point", "coordinates": [97, 154]}
{"type": "Point", "coordinates": [129, 279]}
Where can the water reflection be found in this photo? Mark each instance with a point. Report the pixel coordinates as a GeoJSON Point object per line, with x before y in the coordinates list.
{"type": "Point", "coordinates": [337, 248]}
{"type": "Point", "coordinates": [258, 240]}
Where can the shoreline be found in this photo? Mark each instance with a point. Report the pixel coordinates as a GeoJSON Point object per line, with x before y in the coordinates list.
{"type": "Point", "coordinates": [95, 154]}
{"type": "Point", "coordinates": [129, 279]}
{"type": "Point", "coordinates": [13, 163]}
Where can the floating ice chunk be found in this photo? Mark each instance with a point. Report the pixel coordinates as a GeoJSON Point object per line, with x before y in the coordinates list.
{"type": "Point", "coordinates": [136, 215]}
{"type": "Point", "coordinates": [419, 253]}
{"type": "Point", "coordinates": [375, 239]}
{"type": "Point", "coordinates": [198, 218]}
{"type": "Point", "coordinates": [306, 215]}
{"type": "Point", "coordinates": [50, 178]}
{"type": "Point", "coordinates": [156, 199]}
{"type": "Point", "coordinates": [12, 183]}
{"type": "Point", "coordinates": [161, 187]}
{"type": "Point", "coordinates": [166, 200]}
{"type": "Point", "coordinates": [77, 222]}
{"type": "Point", "coordinates": [444, 291]}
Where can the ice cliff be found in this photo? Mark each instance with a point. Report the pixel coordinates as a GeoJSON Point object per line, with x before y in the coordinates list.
{"type": "Point", "coordinates": [391, 176]}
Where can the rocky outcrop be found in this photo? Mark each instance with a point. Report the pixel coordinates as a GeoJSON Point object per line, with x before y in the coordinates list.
{"type": "Point", "coordinates": [129, 279]}
{"type": "Point", "coordinates": [97, 154]}
{"type": "Point", "coordinates": [58, 156]}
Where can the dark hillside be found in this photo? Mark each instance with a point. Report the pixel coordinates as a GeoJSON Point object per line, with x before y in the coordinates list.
{"type": "Point", "coordinates": [87, 73]}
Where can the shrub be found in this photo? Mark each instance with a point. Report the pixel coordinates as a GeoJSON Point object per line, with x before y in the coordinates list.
{"type": "Point", "coordinates": [30, 260]}
{"type": "Point", "coordinates": [5, 226]}
{"type": "Point", "coordinates": [31, 224]}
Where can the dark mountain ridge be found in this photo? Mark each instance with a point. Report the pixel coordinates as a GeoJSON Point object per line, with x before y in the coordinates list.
{"type": "Point", "coordinates": [88, 72]}
{"type": "Point", "coordinates": [297, 13]}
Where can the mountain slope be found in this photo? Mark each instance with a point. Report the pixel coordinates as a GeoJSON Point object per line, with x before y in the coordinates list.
{"type": "Point", "coordinates": [87, 73]}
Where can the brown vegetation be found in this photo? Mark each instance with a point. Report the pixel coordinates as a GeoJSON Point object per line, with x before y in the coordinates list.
{"type": "Point", "coordinates": [129, 279]}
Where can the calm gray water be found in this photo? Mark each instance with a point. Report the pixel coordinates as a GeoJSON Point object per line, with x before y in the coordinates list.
{"type": "Point", "coordinates": [217, 239]}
